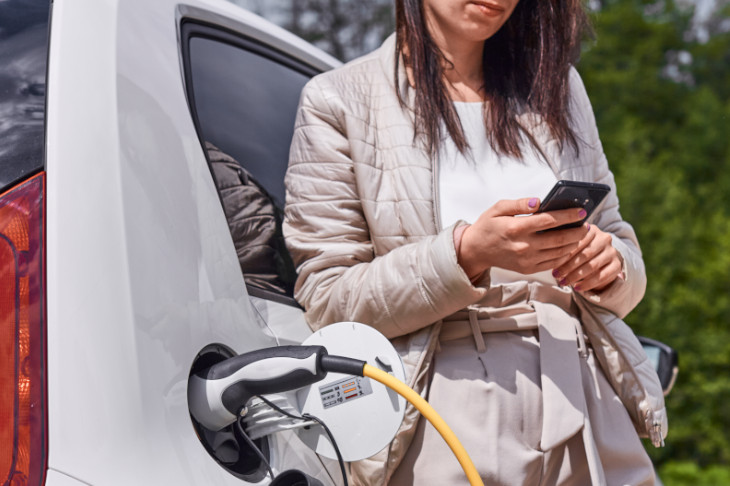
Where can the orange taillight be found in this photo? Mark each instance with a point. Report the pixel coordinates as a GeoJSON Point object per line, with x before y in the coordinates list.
{"type": "Point", "coordinates": [23, 438]}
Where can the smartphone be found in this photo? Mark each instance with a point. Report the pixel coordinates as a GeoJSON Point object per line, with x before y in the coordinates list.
{"type": "Point", "coordinates": [574, 194]}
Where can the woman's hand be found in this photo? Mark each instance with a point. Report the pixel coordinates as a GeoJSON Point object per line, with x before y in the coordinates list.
{"type": "Point", "coordinates": [499, 238]}
{"type": "Point", "coordinates": [594, 265]}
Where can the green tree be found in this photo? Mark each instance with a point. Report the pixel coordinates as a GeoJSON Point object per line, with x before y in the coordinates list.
{"type": "Point", "coordinates": [665, 130]}
{"type": "Point", "coordinates": [343, 28]}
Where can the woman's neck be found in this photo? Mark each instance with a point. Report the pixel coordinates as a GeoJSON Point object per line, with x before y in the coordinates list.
{"type": "Point", "coordinates": [462, 66]}
{"type": "Point", "coordinates": [464, 78]}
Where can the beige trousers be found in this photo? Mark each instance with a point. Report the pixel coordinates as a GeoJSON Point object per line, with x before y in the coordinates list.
{"type": "Point", "coordinates": [493, 402]}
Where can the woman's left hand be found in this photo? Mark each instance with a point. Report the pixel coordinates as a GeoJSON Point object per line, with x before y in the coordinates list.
{"type": "Point", "coordinates": [594, 265]}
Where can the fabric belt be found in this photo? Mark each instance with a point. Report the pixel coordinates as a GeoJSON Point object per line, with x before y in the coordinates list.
{"type": "Point", "coordinates": [561, 344]}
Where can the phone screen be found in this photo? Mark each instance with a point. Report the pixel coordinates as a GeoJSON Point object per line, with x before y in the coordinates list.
{"type": "Point", "coordinates": [574, 194]}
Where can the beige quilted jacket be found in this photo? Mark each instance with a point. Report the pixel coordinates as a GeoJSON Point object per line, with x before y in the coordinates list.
{"type": "Point", "coordinates": [363, 228]}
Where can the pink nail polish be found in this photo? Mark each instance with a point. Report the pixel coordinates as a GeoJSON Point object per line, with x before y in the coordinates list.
{"type": "Point", "coordinates": [556, 274]}
{"type": "Point", "coordinates": [563, 282]}
{"type": "Point", "coordinates": [532, 202]}
{"type": "Point", "coordinates": [576, 288]}
{"type": "Point", "coordinates": [582, 213]}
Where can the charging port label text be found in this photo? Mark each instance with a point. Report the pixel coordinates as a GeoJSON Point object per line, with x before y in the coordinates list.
{"type": "Point", "coordinates": [344, 390]}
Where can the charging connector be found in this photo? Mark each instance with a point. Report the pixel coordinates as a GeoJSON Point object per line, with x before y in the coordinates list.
{"type": "Point", "coordinates": [217, 394]}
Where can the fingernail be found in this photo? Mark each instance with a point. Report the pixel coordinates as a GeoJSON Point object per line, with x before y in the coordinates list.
{"type": "Point", "coordinates": [576, 288]}
{"type": "Point", "coordinates": [532, 202]}
{"type": "Point", "coordinates": [563, 283]}
{"type": "Point", "coordinates": [556, 274]}
{"type": "Point", "coordinates": [588, 226]}
{"type": "Point", "coordinates": [582, 213]}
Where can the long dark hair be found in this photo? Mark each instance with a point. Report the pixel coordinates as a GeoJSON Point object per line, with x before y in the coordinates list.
{"type": "Point", "coordinates": [526, 68]}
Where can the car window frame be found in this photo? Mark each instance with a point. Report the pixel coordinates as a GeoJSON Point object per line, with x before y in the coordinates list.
{"type": "Point", "coordinates": [192, 28]}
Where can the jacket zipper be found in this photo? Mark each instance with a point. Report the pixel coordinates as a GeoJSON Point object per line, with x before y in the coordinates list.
{"type": "Point", "coordinates": [655, 430]}
{"type": "Point", "coordinates": [435, 167]}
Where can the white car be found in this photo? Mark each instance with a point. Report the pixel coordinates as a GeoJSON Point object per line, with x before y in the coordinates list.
{"type": "Point", "coordinates": [119, 273]}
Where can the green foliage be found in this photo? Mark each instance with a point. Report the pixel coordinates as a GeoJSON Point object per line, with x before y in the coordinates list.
{"type": "Point", "coordinates": [666, 134]}
{"type": "Point", "coordinates": [688, 473]}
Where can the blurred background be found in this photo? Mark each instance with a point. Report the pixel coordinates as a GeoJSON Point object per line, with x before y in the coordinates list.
{"type": "Point", "coordinates": [658, 75]}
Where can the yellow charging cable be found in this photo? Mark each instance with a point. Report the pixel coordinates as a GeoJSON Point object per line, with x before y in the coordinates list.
{"type": "Point", "coordinates": [427, 411]}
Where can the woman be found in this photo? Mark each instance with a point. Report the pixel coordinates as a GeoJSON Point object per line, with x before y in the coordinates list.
{"type": "Point", "coordinates": [408, 171]}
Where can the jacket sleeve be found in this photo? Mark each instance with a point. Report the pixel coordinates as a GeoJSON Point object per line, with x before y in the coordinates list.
{"type": "Point", "coordinates": [340, 278]}
{"type": "Point", "coordinates": [623, 294]}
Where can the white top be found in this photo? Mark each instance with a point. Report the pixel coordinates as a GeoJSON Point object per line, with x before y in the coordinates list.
{"type": "Point", "coordinates": [471, 184]}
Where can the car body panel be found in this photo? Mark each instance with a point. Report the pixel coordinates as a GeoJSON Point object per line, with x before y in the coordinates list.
{"type": "Point", "coordinates": [56, 478]}
{"type": "Point", "coordinates": [142, 272]}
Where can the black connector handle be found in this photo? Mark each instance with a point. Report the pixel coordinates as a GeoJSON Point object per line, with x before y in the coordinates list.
{"type": "Point", "coordinates": [340, 364]}
{"type": "Point", "coordinates": [218, 393]}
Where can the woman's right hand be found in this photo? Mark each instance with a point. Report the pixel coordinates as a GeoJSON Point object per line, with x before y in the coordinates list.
{"type": "Point", "coordinates": [499, 238]}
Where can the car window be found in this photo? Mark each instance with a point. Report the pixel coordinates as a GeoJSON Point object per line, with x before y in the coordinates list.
{"type": "Point", "coordinates": [23, 56]}
{"type": "Point", "coordinates": [244, 99]}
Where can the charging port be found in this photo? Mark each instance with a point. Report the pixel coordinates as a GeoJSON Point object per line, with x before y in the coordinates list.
{"type": "Point", "coordinates": [226, 446]}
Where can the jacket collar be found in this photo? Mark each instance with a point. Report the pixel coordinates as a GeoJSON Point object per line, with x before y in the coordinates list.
{"type": "Point", "coordinates": [533, 123]}
{"type": "Point", "coordinates": [387, 56]}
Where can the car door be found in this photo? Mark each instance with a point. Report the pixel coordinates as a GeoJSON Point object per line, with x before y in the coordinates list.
{"type": "Point", "coordinates": [143, 280]}
{"type": "Point", "coordinates": [243, 93]}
